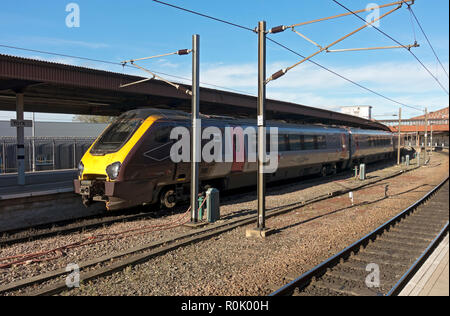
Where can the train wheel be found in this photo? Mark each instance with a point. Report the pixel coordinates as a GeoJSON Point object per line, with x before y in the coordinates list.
{"type": "Point", "coordinates": [87, 201]}
{"type": "Point", "coordinates": [324, 172]}
{"type": "Point", "coordinates": [334, 169]}
{"type": "Point", "coordinates": [168, 199]}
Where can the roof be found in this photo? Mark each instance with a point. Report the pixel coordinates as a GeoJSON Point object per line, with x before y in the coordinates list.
{"type": "Point", "coordinates": [440, 114]}
{"type": "Point", "coordinates": [57, 88]}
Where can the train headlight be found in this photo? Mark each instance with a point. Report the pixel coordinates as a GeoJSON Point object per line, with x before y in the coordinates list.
{"type": "Point", "coordinates": [80, 169]}
{"type": "Point", "coordinates": [113, 170]}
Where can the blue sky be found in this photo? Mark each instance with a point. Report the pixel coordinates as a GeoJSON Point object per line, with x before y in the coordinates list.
{"type": "Point", "coordinates": [119, 30]}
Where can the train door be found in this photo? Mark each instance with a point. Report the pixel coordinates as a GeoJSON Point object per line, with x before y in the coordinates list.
{"type": "Point", "coordinates": [238, 151]}
{"type": "Point", "coordinates": [345, 151]}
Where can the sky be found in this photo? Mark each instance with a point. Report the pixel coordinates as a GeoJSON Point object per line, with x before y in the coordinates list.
{"type": "Point", "coordinates": [121, 30]}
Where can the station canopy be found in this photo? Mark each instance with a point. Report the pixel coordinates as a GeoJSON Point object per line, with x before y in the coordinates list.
{"type": "Point", "coordinates": [57, 88]}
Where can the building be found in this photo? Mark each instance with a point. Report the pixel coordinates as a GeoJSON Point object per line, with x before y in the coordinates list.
{"type": "Point", "coordinates": [415, 129]}
{"type": "Point", "coordinates": [359, 111]}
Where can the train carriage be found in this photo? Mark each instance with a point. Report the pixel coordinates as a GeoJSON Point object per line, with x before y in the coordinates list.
{"type": "Point", "coordinates": [130, 162]}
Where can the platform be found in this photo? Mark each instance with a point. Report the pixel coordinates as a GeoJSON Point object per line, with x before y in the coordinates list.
{"type": "Point", "coordinates": [37, 184]}
{"type": "Point", "coordinates": [432, 279]}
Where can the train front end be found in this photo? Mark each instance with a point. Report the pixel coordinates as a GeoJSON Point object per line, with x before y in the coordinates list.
{"type": "Point", "coordinates": [101, 170]}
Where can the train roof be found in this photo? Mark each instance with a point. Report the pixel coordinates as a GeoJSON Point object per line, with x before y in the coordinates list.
{"type": "Point", "coordinates": [182, 116]}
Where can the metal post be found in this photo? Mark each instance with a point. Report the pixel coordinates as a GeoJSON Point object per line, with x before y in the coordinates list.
{"type": "Point", "coordinates": [75, 154]}
{"type": "Point", "coordinates": [431, 136]}
{"type": "Point", "coordinates": [53, 153]}
{"type": "Point", "coordinates": [33, 144]}
{"type": "Point", "coordinates": [261, 124]}
{"type": "Point", "coordinates": [20, 139]}
{"type": "Point", "coordinates": [399, 135]}
{"type": "Point", "coordinates": [4, 156]}
{"type": "Point", "coordinates": [195, 133]}
{"type": "Point", "coordinates": [426, 135]}
{"type": "Point", "coordinates": [417, 136]}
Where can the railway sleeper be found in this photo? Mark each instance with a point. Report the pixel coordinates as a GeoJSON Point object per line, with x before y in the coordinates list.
{"type": "Point", "coordinates": [391, 244]}
{"type": "Point", "coordinates": [417, 231]}
{"type": "Point", "coordinates": [384, 247]}
{"type": "Point", "coordinates": [362, 263]}
{"type": "Point", "coordinates": [406, 237]}
{"type": "Point", "coordinates": [419, 225]}
{"type": "Point", "coordinates": [376, 257]}
{"type": "Point", "coordinates": [313, 290]}
{"type": "Point", "coordinates": [403, 243]}
{"type": "Point", "coordinates": [346, 287]}
{"type": "Point", "coordinates": [388, 277]}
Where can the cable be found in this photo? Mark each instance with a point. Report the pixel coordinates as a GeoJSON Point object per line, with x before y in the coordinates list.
{"type": "Point", "coordinates": [341, 76]}
{"type": "Point", "coordinates": [118, 64]}
{"type": "Point", "coordinates": [317, 64]}
{"type": "Point", "coordinates": [205, 16]}
{"type": "Point", "coordinates": [393, 39]}
{"type": "Point", "coordinates": [424, 34]}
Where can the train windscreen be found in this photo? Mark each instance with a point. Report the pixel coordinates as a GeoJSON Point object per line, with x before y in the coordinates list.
{"type": "Point", "coordinates": [117, 134]}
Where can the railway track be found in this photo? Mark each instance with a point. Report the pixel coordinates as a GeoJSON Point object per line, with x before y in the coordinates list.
{"type": "Point", "coordinates": [65, 227]}
{"type": "Point", "coordinates": [53, 282]}
{"type": "Point", "coordinates": [382, 262]}
{"type": "Point", "coordinates": [70, 226]}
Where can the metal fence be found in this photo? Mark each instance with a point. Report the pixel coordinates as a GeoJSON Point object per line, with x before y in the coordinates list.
{"type": "Point", "coordinates": [50, 153]}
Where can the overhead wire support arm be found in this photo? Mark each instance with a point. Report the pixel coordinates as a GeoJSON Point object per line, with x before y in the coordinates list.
{"type": "Point", "coordinates": [179, 52]}
{"type": "Point", "coordinates": [284, 71]}
{"type": "Point", "coordinates": [396, 41]}
{"type": "Point", "coordinates": [370, 48]}
{"type": "Point", "coordinates": [176, 86]}
{"type": "Point", "coordinates": [347, 14]}
{"type": "Point", "coordinates": [282, 28]}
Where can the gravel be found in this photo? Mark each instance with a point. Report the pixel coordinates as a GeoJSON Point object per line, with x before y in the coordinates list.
{"type": "Point", "coordinates": [230, 264]}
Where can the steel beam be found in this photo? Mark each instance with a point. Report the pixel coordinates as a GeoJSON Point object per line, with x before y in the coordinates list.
{"type": "Point", "coordinates": [196, 127]}
{"type": "Point", "coordinates": [261, 124]}
{"type": "Point", "coordinates": [20, 139]}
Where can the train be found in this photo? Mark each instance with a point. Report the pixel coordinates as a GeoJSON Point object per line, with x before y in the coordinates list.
{"type": "Point", "coordinates": [130, 163]}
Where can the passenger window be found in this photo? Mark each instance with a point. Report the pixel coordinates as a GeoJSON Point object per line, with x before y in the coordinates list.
{"type": "Point", "coordinates": [283, 143]}
{"type": "Point", "coordinates": [295, 142]}
{"type": "Point", "coordinates": [308, 142]}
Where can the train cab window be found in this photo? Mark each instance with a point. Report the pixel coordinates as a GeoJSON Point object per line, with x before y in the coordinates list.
{"type": "Point", "coordinates": [117, 134]}
{"type": "Point", "coordinates": [295, 142]}
{"type": "Point", "coordinates": [162, 135]}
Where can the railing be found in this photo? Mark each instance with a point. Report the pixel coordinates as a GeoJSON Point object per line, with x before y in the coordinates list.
{"type": "Point", "coordinates": [50, 153]}
{"type": "Point", "coordinates": [420, 122]}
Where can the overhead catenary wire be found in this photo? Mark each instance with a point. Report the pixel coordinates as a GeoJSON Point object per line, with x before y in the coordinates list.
{"type": "Point", "coordinates": [396, 41]}
{"type": "Point", "coordinates": [217, 86]}
{"type": "Point", "coordinates": [205, 15]}
{"type": "Point", "coordinates": [284, 71]}
{"type": "Point", "coordinates": [428, 40]}
{"type": "Point", "coordinates": [117, 64]}
{"type": "Point", "coordinates": [296, 53]}
{"type": "Point", "coordinates": [343, 77]}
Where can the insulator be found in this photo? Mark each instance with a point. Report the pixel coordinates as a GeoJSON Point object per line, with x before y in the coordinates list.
{"type": "Point", "coordinates": [278, 29]}
{"type": "Point", "coordinates": [183, 52]}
